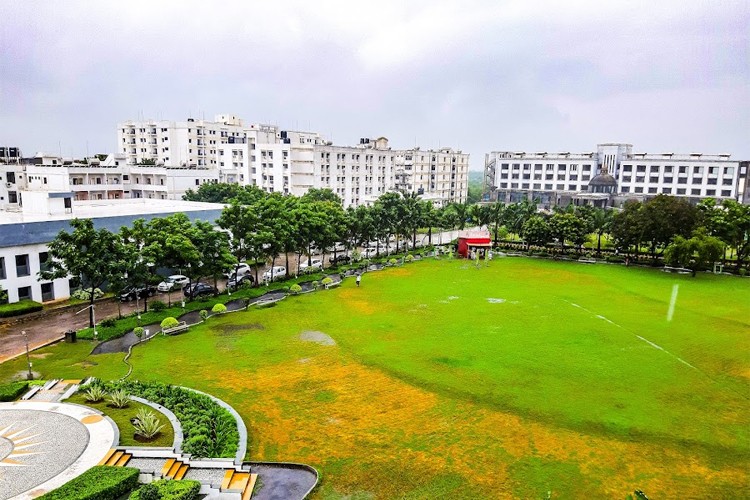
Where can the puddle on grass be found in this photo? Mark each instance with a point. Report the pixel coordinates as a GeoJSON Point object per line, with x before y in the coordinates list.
{"type": "Point", "coordinates": [317, 337]}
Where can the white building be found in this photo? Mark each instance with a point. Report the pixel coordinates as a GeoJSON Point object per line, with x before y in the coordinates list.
{"type": "Point", "coordinates": [292, 162]}
{"type": "Point", "coordinates": [24, 234]}
{"type": "Point", "coordinates": [610, 176]}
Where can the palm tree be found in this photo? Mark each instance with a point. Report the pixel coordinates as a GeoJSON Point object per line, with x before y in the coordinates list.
{"type": "Point", "coordinates": [601, 223]}
{"type": "Point", "coordinates": [497, 213]}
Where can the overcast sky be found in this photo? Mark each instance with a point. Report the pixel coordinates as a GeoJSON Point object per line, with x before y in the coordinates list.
{"type": "Point", "coordinates": [478, 76]}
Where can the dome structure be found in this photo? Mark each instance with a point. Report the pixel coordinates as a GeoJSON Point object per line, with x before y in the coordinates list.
{"type": "Point", "coordinates": [603, 183]}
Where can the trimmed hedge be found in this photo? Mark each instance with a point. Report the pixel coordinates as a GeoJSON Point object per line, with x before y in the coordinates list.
{"type": "Point", "coordinates": [101, 482]}
{"type": "Point", "coordinates": [185, 489]}
{"type": "Point", "coordinates": [10, 392]}
{"type": "Point", "coordinates": [19, 308]}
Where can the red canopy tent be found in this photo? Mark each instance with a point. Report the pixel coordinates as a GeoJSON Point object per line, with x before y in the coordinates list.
{"type": "Point", "coordinates": [473, 240]}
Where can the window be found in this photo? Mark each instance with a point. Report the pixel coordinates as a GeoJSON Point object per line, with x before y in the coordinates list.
{"type": "Point", "coordinates": [43, 261]}
{"type": "Point", "coordinates": [561, 166]}
{"type": "Point", "coordinates": [666, 190]}
{"type": "Point", "coordinates": [2, 268]}
{"type": "Point", "coordinates": [640, 179]}
{"type": "Point", "coordinates": [668, 180]}
{"type": "Point", "coordinates": [652, 190]}
{"type": "Point", "coordinates": [48, 292]}
{"type": "Point", "coordinates": [571, 187]}
{"type": "Point", "coordinates": [573, 177]}
{"type": "Point", "coordinates": [22, 265]}
{"type": "Point", "coordinates": [727, 182]}
{"type": "Point", "coordinates": [537, 177]}
{"type": "Point", "coordinates": [698, 170]}
{"type": "Point", "coordinates": [710, 192]}
{"type": "Point", "coordinates": [537, 186]}
{"type": "Point", "coordinates": [548, 186]}
{"type": "Point", "coordinates": [560, 187]}
{"type": "Point", "coordinates": [641, 168]}
{"type": "Point", "coordinates": [654, 169]}
{"type": "Point", "coordinates": [625, 189]}
{"type": "Point", "coordinates": [197, 182]}
{"type": "Point", "coordinates": [683, 170]}
{"type": "Point", "coordinates": [668, 169]}
{"type": "Point", "coordinates": [24, 293]}
{"type": "Point", "coordinates": [639, 189]}
{"type": "Point", "coordinates": [696, 192]}
{"type": "Point", "coordinates": [653, 179]}
{"type": "Point", "coordinates": [728, 170]}
{"type": "Point", "coordinates": [627, 179]}
{"type": "Point", "coordinates": [627, 168]}
{"type": "Point", "coordinates": [681, 191]}
{"type": "Point", "coordinates": [726, 193]}
{"type": "Point", "coordinates": [682, 180]}
{"type": "Point", "coordinates": [525, 185]}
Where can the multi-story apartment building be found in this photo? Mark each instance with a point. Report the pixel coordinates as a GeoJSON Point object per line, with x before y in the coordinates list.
{"type": "Point", "coordinates": [292, 162]}
{"type": "Point", "coordinates": [610, 176]}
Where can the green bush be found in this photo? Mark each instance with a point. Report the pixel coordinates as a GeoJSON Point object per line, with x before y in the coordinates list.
{"type": "Point", "coordinates": [169, 322]}
{"type": "Point", "coordinates": [185, 489]}
{"type": "Point", "coordinates": [108, 323]}
{"type": "Point", "coordinates": [295, 289]}
{"type": "Point", "coordinates": [138, 331]}
{"type": "Point", "coordinates": [614, 259]}
{"type": "Point", "coordinates": [10, 392]}
{"type": "Point", "coordinates": [157, 306]}
{"type": "Point", "coordinates": [19, 308]}
{"type": "Point", "coordinates": [146, 423]}
{"type": "Point", "coordinates": [101, 482]}
{"type": "Point", "coordinates": [327, 281]}
{"type": "Point", "coordinates": [208, 429]}
{"type": "Point", "coordinates": [392, 262]}
{"type": "Point", "coordinates": [409, 258]}
{"type": "Point", "coordinates": [94, 393]}
{"type": "Point", "coordinates": [315, 284]}
{"type": "Point", "coordinates": [203, 314]}
{"type": "Point", "coordinates": [86, 294]}
{"type": "Point", "coordinates": [119, 398]}
{"type": "Point", "coordinates": [219, 308]}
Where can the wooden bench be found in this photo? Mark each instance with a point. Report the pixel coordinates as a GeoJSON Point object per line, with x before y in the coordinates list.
{"type": "Point", "coordinates": [181, 327]}
{"type": "Point", "coordinates": [678, 270]}
{"type": "Point", "coordinates": [587, 261]}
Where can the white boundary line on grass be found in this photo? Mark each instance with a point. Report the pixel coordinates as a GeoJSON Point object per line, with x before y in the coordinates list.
{"type": "Point", "coordinates": [655, 346]}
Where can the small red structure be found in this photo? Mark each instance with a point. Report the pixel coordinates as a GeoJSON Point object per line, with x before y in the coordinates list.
{"type": "Point", "coordinates": [473, 241]}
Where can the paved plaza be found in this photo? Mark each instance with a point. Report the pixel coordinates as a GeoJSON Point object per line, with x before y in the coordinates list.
{"type": "Point", "coordinates": [44, 445]}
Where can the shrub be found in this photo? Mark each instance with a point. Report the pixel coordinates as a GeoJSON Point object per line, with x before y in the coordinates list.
{"type": "Point", "coordinates": [86, 294]}
{"type": "Point", "coordinates": [295, 289]}
{"type": "Point", "coordinates": [327, 281]}
{"type": "Point", "coordinates": [392, 262]}
{"type": "Point", "coordinates": [356, 255]}
{"type": "Point", "coordinates": [98, 483]}
{"type": "Point", "coordinates": [203, 314]}
{"type": "Point", "coordinates": [169, 322]}
{"type": "Point", "coordinates": [219, 308]}
{"type": "Point", "coordinates": [9, 392]}
{"type": "Point", "coordinates": [147, 424]}
{"type": "Point", "coordinates": [614, 259]}
{"type": "Point", "coordinates": [185, 489]}
{"type": "Point", "coordinates": [315, 284]}
{"type": "Point", "coordinates": [95, 393]}
{"type": "Point", "coordinates": [108, 323]}
{"type": "Point", "coordinates": [743, 271]}
{"type": "Point", "coordinates": [409, 258]}
{"type": "Point", "coordinates": [208, 429]}
{"type": "Point", "coordinates": [157, 306]}
{"type": "Point", "coordinates": [119, 398]}
{"type": "Point", "coordinates": [138, 331]}
{"type": "Point", "coordinates": [19, 308]}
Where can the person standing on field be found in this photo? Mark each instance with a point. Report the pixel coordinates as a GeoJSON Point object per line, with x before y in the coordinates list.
{"type": "Point", "coordinates": [359, 279]}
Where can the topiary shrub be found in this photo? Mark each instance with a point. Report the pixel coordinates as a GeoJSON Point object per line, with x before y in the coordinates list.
{"type": "Point", "coordinates": [392, 262]}
{"type": "Point", "coordinates": [86, 294]}
{"type": "Point", "coordinates": [97, 483]}
{"type": "Point", "coordinates": [185, 489]}
{"type": "Point", "coordinates": [219, 308]}
{"type": "Point", "coordinates": [203, 314]}
{"type": "Point", "coordinates": [315, 284]}
{"type": "Point", "coordinates": [409, 258]}
{"type": "Point", "coordinates": [157, 306]}
{"type": "Point", "coordinates": [169, 322]}
{"type": "Point", "coordinates": [326, 281]}
{"type": "Point", "coordinates": [295, 289]}
{"type": "Point", "coordinates": [138, 332]}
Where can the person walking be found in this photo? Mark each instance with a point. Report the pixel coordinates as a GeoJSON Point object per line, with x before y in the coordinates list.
{"type": "Point", "coordinates": [359, 279]}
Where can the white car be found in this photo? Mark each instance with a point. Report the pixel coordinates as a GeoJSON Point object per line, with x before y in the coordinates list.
{"type": "Point", "coordinates": [176, 280]}
{"type": "Point", "coordinates": [339, 247]}
{"type": "Point", "coordinates": [313, 265]}
{"type": "Point", "coordinates": [275, 272]}
{"type": "Point", "coordinates": [369, 252]}
{"type": "Point", "coordinates": [241, 270]}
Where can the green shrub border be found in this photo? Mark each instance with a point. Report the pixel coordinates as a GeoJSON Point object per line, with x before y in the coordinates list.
{"type": "Point", "coordinates": [184, 489]}
{"type": "Point", "coordinates": [10, 392]}
{"type": "Point", "coordinates": [101, 482]}
{"type": "Point", "coordinates": [19, 308]}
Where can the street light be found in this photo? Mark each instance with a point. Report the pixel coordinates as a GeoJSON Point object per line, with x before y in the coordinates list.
{"type": "Point", "coordinates": [28, 358]}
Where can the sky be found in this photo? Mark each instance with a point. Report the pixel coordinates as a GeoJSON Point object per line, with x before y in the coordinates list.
{"type": "Point", "coordinates": [480, 76]}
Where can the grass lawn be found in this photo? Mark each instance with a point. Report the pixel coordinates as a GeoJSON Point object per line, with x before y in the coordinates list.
{"type": "Point", "coordinates": [122, 416]}
{"type": "Point", "coordinates": [438, 379]}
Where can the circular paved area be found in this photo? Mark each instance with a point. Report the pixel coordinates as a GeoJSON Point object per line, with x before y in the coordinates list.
{"type": "Point", "coordinates": [44, 445]}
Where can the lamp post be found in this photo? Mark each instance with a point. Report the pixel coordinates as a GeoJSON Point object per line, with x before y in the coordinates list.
{"type": "Point", "coordinates": [93, 317]}
{"type": "Point", "coordinates": [28, 358]}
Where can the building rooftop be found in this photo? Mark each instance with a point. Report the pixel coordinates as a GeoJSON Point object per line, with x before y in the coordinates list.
{"type": "Point", "coordinates": [96, 209]}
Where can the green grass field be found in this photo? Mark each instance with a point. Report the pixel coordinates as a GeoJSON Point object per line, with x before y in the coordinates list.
{"type": "Point", "coordinates": [519, 379]}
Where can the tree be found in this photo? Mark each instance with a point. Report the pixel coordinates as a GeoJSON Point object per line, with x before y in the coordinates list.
{"type": "Point", "coordinates": [238, 220]}
{"type": "Point", "coordinates": [665, 217]}
{"type": "Point", "coordinates": [213, 193]}
{"type": "Point", "coordinates": [565, 226]}
{"type": "Point", "coordinates": [3, 295]}
{"type": "Point", "coordinates": [324, 194]}
{"type": "Point", "coordinates": [730, 222]}
{"type": "Point", "coordinates": [173, 239]}
{"type": "Point", "coordinates": [497, 214]}
{"type": "Point", "coordinates": [536, 231]}
{"type": "Point", "coordinates": [214, 249]}
{"type": "Point", "coordinates": [140, 255]}
{"type": "Point", "coordinates": [600, 224]}
{"type": "Point", "coordinates": [698, 252]}
{"type": "Point", "coordinates": [93, 256]}
{"type": "Point", "coordinates": [461, 211]}
{"type": "Point", "coordinates": [627, 227]}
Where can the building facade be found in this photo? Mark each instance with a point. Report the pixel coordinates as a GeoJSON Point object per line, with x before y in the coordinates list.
{"type": "Point", "coordinates": [610, 176]}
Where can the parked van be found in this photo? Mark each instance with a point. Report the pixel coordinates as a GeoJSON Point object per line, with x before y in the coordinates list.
{"type": "Point", "coordinates": [275, 272]}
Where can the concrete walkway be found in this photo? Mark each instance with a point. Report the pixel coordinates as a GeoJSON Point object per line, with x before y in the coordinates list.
{"type": "Point", "coordinates": [45, 445]}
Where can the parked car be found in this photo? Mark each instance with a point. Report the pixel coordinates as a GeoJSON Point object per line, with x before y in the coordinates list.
{"type": "Point", "coordinates": [235, 281]}
{"type": "Point", "coordinates": [339, 247]}
{"type": "Point", "coordinates": [369, 252]}
{"type": "Point", "coordinates": [241, 269]}
{"type": "Point", "coordinates": [176, 280]}
{"type": "Point", "coordinates": [275, 272]}
{"type": "Point", "coordinates": [340, 259]}
{"type": "Point", "coordinates": [141, 292]}
{"type": "Point", "coordinates": [314, 264]}
{"type": "Point", "coordinates": [198, 289]}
